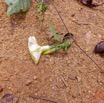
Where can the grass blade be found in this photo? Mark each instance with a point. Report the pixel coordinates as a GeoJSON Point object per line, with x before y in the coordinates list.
{"type": "Point", "coordinates": [54, 33]}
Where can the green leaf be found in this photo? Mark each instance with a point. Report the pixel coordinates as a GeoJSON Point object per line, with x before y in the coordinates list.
{"type": "Point", "coordinates": [65, 45]}
{"type": "Point", "coordinates": [42, 7]}
{"type": "Point", "coordinates": [54, 33]}
{"type": "Point", "coordinates": [15, 6]}
{"type": "Point", "coordinates": [9, 1]}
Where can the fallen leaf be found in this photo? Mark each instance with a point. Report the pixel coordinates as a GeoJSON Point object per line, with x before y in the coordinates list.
{"type": "Point", "coordinates": [87, 37]}
{"type": "Point", "coordinates": [9, 98]}
{"type": "Point", "coordinates": [90, 3]}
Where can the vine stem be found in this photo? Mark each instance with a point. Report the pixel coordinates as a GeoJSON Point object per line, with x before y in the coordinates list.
{"type": "Point", "coordinates": [73, 38]}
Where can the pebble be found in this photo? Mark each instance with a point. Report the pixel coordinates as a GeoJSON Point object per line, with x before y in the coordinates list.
{"type": "Point", "coordinates": [55, 88]}
{"type": "Point", "coordinates": [78, 78]}
{"type": "Point", "coordinates": [35, 77]}
{"type": "Point", "coordinates": [72, 76]}
{"type": "Point", "coordinates": [75, 95]}
{"type": "Point", "coordinates": [28, 82]}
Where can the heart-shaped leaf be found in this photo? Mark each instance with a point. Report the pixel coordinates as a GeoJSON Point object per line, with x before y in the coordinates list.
{"type": "Point", "coordinates": [15, 6]}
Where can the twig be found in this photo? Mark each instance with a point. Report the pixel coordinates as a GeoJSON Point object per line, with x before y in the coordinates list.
{"type": "Point", "coordinates": [45, 99]}
{"type": "Point", "coordinates": [73, 38]}
{"type": "Point", "coordinates": [80, 23]}
{"type": "Point", "coordinates": [63, 80]}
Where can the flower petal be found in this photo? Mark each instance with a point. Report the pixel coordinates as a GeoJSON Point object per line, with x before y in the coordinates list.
{"type": "Point", "coordinates": [35, 49]}
{"type": "Point", "coordinates": [35, 56]}
{"type": "Point", "coordinates": [32, 43]}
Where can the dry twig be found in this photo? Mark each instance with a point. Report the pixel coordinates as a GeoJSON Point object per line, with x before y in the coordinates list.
{"type": "Point", "coordinates": [45, 99]}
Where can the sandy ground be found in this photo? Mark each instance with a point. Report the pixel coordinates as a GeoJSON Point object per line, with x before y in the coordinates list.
{"type": "Point", "coordinates": [66, 77]}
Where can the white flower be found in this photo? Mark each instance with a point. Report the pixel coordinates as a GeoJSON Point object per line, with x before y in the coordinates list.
{"type": "Point", "coordinates": [35, 49]}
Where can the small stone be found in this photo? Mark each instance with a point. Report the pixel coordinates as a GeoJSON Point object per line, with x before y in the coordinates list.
{"type": "Point", "coordinates": [75, 95]}
{"type": "Point", "coordinates": [28, 82]}
{"type": "Point", "coordinates": [78, 78]}
{"type": "Point", "coordinates": [54, 88]}
{"type": "Point", "coordinates": [9, 88]}
{"type": "Point", "coordinates": [72, 76]}
{"type": "Point", "coordinates": [35, 77]}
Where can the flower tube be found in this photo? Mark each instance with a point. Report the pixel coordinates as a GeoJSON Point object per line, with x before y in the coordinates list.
{"type": "Point", "coordinates": [35, 49]}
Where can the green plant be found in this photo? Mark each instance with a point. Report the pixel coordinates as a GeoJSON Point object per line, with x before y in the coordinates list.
{"type": "Point", "coordinates": [54, 33]}
{"type": "Point", "coordinates": [41, 9]}
{"type": "Point", "coordinates": [54, 48]}
{"type": "Point", "coordinates": [64, 45]}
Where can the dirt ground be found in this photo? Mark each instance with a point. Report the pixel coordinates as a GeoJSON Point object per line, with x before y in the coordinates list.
{"type": "Point", "coordinates": [65, 77]}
